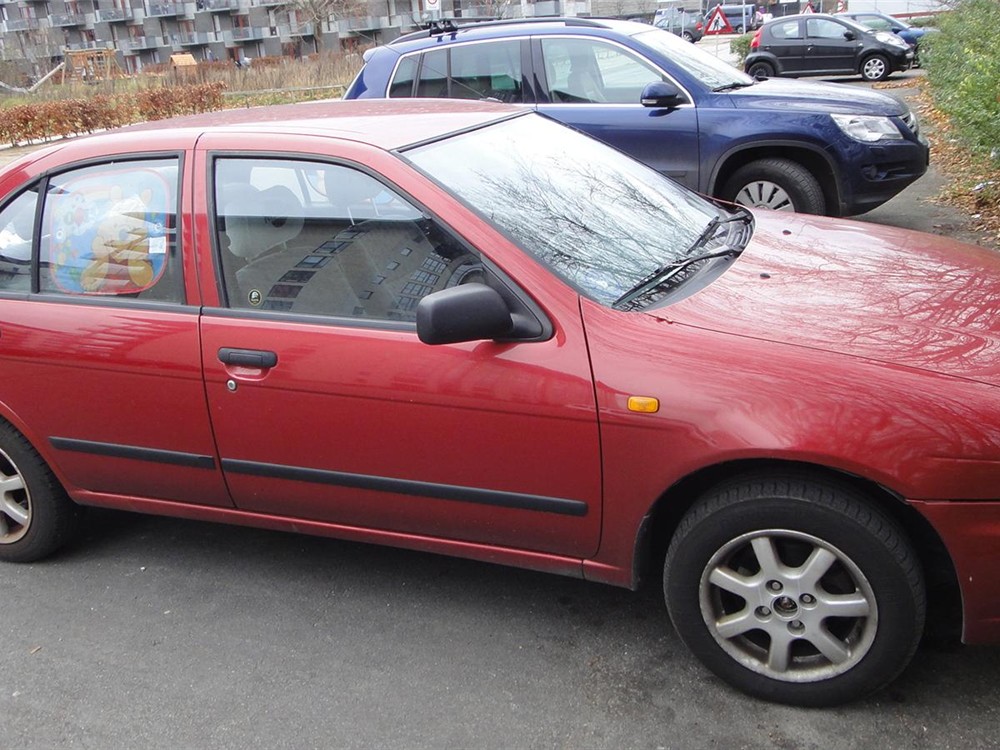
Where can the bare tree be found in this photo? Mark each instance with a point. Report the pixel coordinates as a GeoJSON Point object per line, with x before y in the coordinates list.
{"type": "Point", "coordinates": [317, 12]}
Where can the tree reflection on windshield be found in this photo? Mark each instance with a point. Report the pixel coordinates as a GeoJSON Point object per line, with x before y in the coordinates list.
{"type": "Point", "coordinates": [596, 217]}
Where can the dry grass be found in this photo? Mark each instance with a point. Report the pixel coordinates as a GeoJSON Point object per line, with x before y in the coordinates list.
{"type": "Point", "coordinates": [266, 81]}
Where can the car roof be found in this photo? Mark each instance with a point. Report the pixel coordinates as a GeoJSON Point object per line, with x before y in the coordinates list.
{"type": "Point", "coordinates": [799, 16]}
{"type": "Point", "coordinates": [384, 123]}
{"type": "Point", "coordinates": [515, 26]}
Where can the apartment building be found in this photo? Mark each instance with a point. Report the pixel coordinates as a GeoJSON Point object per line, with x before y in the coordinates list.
{"type": "Point", "coordinates": [34, 33]}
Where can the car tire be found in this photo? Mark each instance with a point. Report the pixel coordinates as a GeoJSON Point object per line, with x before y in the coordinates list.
{"type": "Point", "coordinates": [761, 70]}
{"type": "Point", "coordinates": [795, 590]}
{"type": "Point", "coordinates": [36, 515]}
{"type": "Point", "coordinates": [776, 184]}
{"type": "Point", "coordinates": [739, 29]}
{"type": "Point", "coordinates": [686, 36]}
{"type": "Point", "coordinates": [875, 68]}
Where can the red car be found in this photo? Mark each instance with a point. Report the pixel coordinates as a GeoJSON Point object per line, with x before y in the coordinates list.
{"type": "Point", "coordinates": [463, 328]}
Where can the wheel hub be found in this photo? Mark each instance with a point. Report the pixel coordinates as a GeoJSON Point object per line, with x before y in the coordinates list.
{"type": "Point", "coordinates": [788, 605]}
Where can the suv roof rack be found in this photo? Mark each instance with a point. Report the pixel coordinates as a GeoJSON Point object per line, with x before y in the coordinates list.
{"type": "Point", "coordinates": [449, 25]}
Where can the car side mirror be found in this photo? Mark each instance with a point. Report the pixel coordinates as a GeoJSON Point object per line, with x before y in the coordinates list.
{"type": "Point", "coordinates": [661, 94]}
{"type": "Point", "coordinates": [850, 36]}
{"type": "Point", "coordinates": [468, 312]}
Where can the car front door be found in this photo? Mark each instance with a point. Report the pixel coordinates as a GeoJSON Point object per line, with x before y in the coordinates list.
{"type": "Point", "coordinates": [327, 407]}
{"type": "Point", "coordinates": [595, 86]}
{"type": "Point", "coordinates": [831, 47]}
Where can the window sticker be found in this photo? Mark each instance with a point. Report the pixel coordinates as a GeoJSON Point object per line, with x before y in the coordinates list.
{"type": "Point", "coordinates": [109, 233]}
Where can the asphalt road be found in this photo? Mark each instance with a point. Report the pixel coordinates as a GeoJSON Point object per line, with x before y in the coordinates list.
{"type": "Point", "coordinates": [161, 633]}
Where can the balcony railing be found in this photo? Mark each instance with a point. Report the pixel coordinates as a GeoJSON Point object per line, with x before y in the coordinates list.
{"type": "Point", "coordinates": [163, 9]}
{"type": "Point", "coordinates": [247, 33]}
{"type": "Point", "coordinates": [287, 31]}
{"type": "Point", "coordinates": [110, 15]}
{"type": "Point", "coordinates": [21, 24]}
{"type": "Point", "coordinates": [61, 20]}
{"type": "Point", "coordinates": [90, 44]}
{"type": "Point", "coordinates": [217, 5]}
{"type": "Point", "coordinates": [197, 38]}
{"type": "Point", "coordinates": [136, 43]}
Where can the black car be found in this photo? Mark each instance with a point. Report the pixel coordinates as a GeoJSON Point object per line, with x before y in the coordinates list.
{"type": "Point", "coordinates": [820, 44]}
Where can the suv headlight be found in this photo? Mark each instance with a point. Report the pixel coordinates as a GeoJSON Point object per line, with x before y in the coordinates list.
{"type": "Point", "coordinates": [889, 38]}
{"type": "Point", "coordinates": [868, 128]}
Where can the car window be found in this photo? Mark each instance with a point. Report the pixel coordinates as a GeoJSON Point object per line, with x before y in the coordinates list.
{"type": "Point", "coordinates": [357, 249]}
{"type": "Point", "coordinates": [824, 28]}
{"type": "Point", "coordinates": [402, 80]}
{"type": "Point", "coordinates": [17, 228]}
{"type": "Point", "coordinates": [594, 216]}
{"type": "Point", "coordinates": [874, 22]}
{"type": "Point", "coordinates": [584, 71]}
{"type": "Point", "coordinates": [786, 30]}
{"type": "Point", "coordinates": [489, 70]}
{"type": "Point", "coordinates": [433, 80]}
{"type": "Point", "coordinates": [110, 229]}
{"type": "Point", "coordinates": [704, 67]}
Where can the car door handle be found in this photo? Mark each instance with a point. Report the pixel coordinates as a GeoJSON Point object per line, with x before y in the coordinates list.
{"type": "Point", "coordinates": [248, 357]}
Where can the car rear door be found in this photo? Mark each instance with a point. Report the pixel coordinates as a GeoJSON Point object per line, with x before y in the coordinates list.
{"type": "Point", "coordinates": [595, 85]}
{"type": "Point", "coordinates": [100, 355]}
{"type": "Point", "coordinates": [325, 404]}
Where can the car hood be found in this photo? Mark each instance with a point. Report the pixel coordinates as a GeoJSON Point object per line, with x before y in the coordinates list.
{"type": "Point", "coordinates": [883, 294]}
{"type": "Point", "coordinates": [785, 94]}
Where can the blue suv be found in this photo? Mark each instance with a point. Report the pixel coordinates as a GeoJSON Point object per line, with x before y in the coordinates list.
{"type": "Point", "coordinates": [799, 146]}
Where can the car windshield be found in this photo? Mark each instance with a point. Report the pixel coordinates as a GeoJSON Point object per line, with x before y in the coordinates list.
{"type": "Point", "coordinates": [856, 25]}
{"type": "Point", "coordinates": [600, 220]}
{"type": "Point", "coordinates": [709, 70]}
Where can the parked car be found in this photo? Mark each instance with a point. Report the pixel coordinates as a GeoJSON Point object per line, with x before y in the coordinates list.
{"type": "Point", "coordinates": [683, 23]}
{"type": "Point", "coordinates": [817, 44]}
{"type": "Point", "coordinates": [806, 147]}
{"type": "Point", "coordinates": [463, 328]}
{"type": "Point", "coordinates": [883, 22]}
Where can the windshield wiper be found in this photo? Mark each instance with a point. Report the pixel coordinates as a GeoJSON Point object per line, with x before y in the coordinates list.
{"type": "Point", "coordinates": [667, 272]}
{"type": "Point", "coordinates": [733, 85]}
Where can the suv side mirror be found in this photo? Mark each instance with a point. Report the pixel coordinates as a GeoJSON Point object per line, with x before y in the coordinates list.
{"type": "Point", "coordinates": [850, 35]}
{"type": "Point", "coordinates": [661, 94]}
{"type": "Point", "coordinates": [468, 312]}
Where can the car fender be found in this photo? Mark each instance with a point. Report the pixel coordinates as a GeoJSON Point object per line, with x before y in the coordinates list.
{"type": "Point", "coordinates": [771, 145]}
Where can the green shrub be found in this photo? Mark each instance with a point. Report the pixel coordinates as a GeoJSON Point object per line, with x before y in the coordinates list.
{"type": "Point", "coordinates": [740, 46]}
{"type": "Point", "coordinates": [963, 68]}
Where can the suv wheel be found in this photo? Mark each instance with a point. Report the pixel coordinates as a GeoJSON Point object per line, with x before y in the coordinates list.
{"type": "Point", "coordinates": [875, 68]}
{"type": "Point", "coordinates": [776, 184]}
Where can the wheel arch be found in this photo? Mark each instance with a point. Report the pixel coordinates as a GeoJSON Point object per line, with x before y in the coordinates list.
{"type": "Point", "coordinates": [811, 157]}
{"type": "Point", "coordinates": [944, 612]}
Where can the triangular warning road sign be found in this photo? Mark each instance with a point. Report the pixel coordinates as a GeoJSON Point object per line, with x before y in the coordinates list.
{"type": "Point", "coordinates": [717, 23]}
{"type": "Point", "coordinates": [808, 8]}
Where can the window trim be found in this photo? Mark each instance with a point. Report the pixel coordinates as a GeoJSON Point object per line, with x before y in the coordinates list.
{"type": "Point", "coordinates": [523, 298]}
